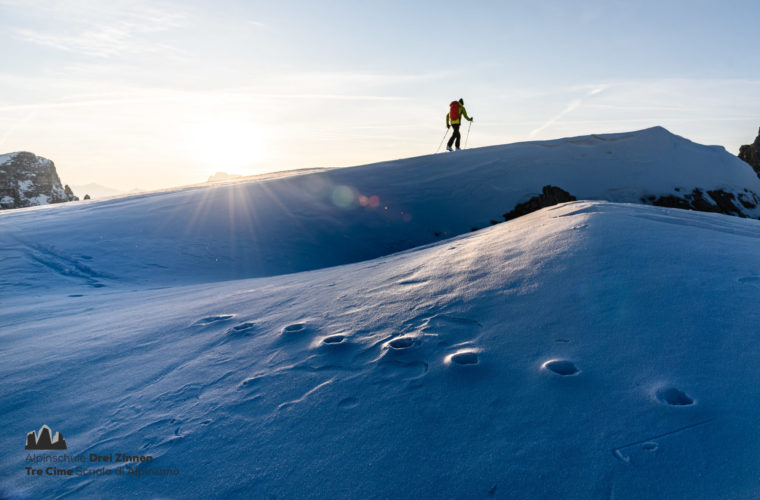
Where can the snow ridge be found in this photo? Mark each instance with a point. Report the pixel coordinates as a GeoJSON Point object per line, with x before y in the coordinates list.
{"type": "Point", "coordinates": [324, 219]}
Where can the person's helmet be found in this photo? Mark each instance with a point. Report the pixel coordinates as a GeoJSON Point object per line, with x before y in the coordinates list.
{"type": "Point", "coordinates": [461, 101]}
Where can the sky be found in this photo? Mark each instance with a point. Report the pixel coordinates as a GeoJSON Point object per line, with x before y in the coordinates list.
{"type": "Point", "coordinates": [155, 94]}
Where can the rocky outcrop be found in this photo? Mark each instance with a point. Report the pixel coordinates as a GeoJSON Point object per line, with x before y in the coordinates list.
{"type": "Point", "coordinates": [550, 195]}
{"type": "Point", "coordinates": [751, 154]}
{"type": "Point", "coordinates": [28, 180]}
{"type": "Point", "coordinates": [717, 201]}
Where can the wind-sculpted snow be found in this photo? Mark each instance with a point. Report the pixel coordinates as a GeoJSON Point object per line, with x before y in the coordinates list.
{"type": "Point", "coordinates": [588, 350]}
{"type": "Point", "coordinates": [322, 219]}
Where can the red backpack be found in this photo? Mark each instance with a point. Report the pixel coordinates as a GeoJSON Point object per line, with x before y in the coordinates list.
{"type": "Point", "coordinates": [454, 110]}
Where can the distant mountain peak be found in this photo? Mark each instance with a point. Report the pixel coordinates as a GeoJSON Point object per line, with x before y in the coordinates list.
{"type": "Point", "coordinates": [223, 176]}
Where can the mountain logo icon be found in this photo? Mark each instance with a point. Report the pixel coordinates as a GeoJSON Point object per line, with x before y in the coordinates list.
{"type": "Point", "coordinates": [44, 440]}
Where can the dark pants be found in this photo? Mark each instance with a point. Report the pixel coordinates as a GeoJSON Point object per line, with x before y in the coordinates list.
{"type": "Point", "coordinates": [456, 136]}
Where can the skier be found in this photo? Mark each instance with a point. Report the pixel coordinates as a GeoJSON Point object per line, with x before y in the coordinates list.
{"type": "Point", "coordinates": [453, 119]}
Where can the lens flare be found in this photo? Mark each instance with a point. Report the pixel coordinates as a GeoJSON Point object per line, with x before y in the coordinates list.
{"type": "Point", "coordinates": [343, 196]}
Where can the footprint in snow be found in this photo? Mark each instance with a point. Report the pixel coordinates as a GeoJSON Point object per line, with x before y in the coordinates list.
{"type": "Point", "coordinates": [561, 367]}
{"type": "Point", "coordinates": [348, 403]}
{"type": "Point", "coordinates": [334, 340]}
{"type": "Point", "coordinates": [242, 329]}
{"type": "Point", "coordinates": [401, 343]}
{"type": "Point", "coordinates": [401, 360]}
{"type": "Point", "coordinates": [464, 357]}
{"type": "Point", "coordinates": [294, 328]}
{"type": "Point", "coordinates": [650, 446]}
{"type": "Point", "coordinates": [296, 333]}
{"type": "Point", "coordinates": [673, 397]}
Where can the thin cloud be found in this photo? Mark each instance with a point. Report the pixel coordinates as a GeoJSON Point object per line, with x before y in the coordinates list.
{"type": "Point", "coordinates": [368, 78]}
{"type": "Point", "coordinates": [103, 33]}
{"type": "Point", "coordinates": [335, 97]}
{"type": "Point", "coordinates": [568, 109]}
{"type": "Point", "coordinates": [575, 104]}
{"type": "Point", "coordinates": [74, 104]}
{"type": "Point", "coordinates": [188, 96]}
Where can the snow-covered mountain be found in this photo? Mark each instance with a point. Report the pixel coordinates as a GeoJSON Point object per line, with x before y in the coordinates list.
{"type": "Point", "coordinates": [303, 222]}
{"type": "Point", "coordinates": [593, 349]}
{"type": "Point", "coordinates": [28, 180]}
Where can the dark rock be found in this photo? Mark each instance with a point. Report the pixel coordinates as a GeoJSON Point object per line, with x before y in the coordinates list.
{"type": "Point", "coordinates": [550, 196]}
{"type": "Point", "coordinates": [672, 201]}
{"type": "Point", "coordinates": [717, 201]}
{"type": "Point", "coordinates": [27, 180]}
{"type": "Point", "coordinates": [699, 202]}
{"type": "Point", "coordinates": [87, 197]}
{"type": "Point", "coordinates": [69, 193]}
{"type": "Point", "coordinates": [725, 202]}
{"type": "Point", "coordinates": [749, 200]}
{"type": "Point", "coordinates": [750, 153]}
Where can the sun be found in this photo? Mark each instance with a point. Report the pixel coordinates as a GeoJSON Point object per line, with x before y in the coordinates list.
{"type": "Point", "coordinates": [226, 143]}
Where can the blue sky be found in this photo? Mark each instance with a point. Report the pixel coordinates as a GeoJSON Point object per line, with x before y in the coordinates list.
{"type": "Point", "coordinates": [158, 94]}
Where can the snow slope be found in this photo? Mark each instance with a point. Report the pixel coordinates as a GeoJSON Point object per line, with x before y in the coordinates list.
{"type": "Point", "coordinates": [304, 222]}
{"type": "Point", "coordinates": [589, 350]}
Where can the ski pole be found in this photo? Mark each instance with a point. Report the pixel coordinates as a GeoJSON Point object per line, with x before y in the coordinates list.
{"type": "Point", "coordinates": [444, 138]}
{"type": "Point", "coordinates": [468, 133]}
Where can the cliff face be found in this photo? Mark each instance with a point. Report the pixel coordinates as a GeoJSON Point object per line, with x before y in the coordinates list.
{"type": "Point", "coordinates": [751, 154]}
{"type": "Point", "coordinates": [28, 180]}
